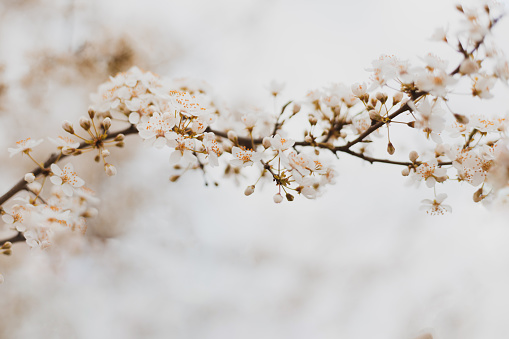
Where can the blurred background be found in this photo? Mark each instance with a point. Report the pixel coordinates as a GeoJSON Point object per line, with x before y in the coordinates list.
{"type": "Point", "coordinates": [183, 260]}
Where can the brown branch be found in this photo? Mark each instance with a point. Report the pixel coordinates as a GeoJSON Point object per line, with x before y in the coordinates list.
{"type": "Point", "coordinates": [17, 238]}
{"type": "Point", "coordinates": [54, 158]}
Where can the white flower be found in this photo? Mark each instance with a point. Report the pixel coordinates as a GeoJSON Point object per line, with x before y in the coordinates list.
{"type": "Point", "coordinates": [66, 177]}
{"type": "Point", "coordinates": [429, 119]}
{"type": "Point", "coordinates": [430, 172]}
{"type": "Point", "coordinates": [276, 87]}
{"type": "Point", "coordinates": [359, 89]}
{"type": "Point", "coordinates": [184, 148]}
{"type": "Point", "coordinates": [24, 146]}
{"type": "Point", "coordinates": [212, 148]}
{"type": "Point", "coordinates": [436, 206]}
{"type": "Point", "coordinates": [482, 87]}
{"type": "Point", "coordinates": [189, 105]}
{"type": "Point", "coordinates": [157, 128]}
{"type": "Point", "coordinates": [244, 157]}
{"type": "Point", "coordinates": [65, 144]}
{"type": "Point", "coordinates": [281, 144]}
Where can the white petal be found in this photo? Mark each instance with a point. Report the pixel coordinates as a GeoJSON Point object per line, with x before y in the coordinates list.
{"type": "Point", "coordinates": [56, 180]}
{"type": "Point", "coordinates": [67, 189]}
{"type": "Point", "coordinates": [8, 219]}
{"type": "Point", "coordinates": [56, 170]}
{"type": "Point", "coordinates": [175, 157]}
{"type": "Point", "coordinates": [134, 118]}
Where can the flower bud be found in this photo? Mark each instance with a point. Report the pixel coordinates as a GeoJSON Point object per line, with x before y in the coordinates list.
{"type": "Point", "coordinates": [382, 97]}
{"type": "Point", "coordinates": [405, 172]}
{"type": "Point", "coordinates": [413, 156]}
{"type": "Point", "coordinates": [91, 113]}
{"type": "Point", "coordinates": [312, 120]}
{"type": "Point", "coordinates": [308, 138]}
{"type": "Point", "coordinates": [278, 198]}
{"type": "Point", "coordinates": [296, 108]}
{"type": "Point", "coordinates": [105, 153]}
{"type": "Point", "coordinates": [119, 137]}
{"type": "Point", "coordinates": [174, 178]}
{"type": "Point", "coordinates": [85, 123]}
{"type": "Point", "coordinates": [374, 115]}
{"type": "Point", "coordinates": [29, 177]}
{"type": "Point", "coordinates": [289, 197]}
{"type": "Point", "coordinates": [110, 170]}
{"type": "Point", "coordinates": [461, 119]}
{"type": "Point", "coordinates": [6, 245]}
{"type": "Point", "coordinates": [106, 124]}
{"type": "Point", "coordinates": [469, 66]}
{"type": "Point", "coordinates": [232, 136]}
{"type": "Point", "coordinates": [266, 142]}
{"type": "Point", "coordinates": [397, 98]}
{"type": "Point", "coordinates": [249, 190]}
{"type": "Point", "coordinates": [390, 148]}
{"type": "Point", "coordinates": [478, 196]}
{"type": "Point", "coordinates": [67, 126]}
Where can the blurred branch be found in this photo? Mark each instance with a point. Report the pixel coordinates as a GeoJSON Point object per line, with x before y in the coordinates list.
{"type": "Point", "coordinates": [54, 158]}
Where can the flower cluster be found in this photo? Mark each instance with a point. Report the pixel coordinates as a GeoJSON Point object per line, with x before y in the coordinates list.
{"type": "Point", "coordinates": [181, 116]}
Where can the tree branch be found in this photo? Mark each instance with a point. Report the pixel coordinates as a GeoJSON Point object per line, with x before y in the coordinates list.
{"type": "Point", "coordinates": [54, 158]}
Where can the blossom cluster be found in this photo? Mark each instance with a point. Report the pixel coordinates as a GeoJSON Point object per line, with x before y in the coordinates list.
{"type": "Point", "coordinates": [199, 133]}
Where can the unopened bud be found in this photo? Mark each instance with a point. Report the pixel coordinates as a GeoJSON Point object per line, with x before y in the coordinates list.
{"type": "Point", "coordinates": [110, 170]}
{"type": "Point", "coordinates": [91, 113]}
{"type": "Point", "coordinates": [312, 120]}
{"type": "Point", "coordinates": [382, 97]}
{"type": "Point", "coordinates": [374, 115]}
{"type": "Point", "coordinates": [7, 252]}
{"type": "Point", "coordinates": [106, 124]}
{"type": "Point", "coordinates": [478, 195]}
{"type": "Point", "coordinates": [249, 190]}
{"type": "Point", "coordinates": [278, 198]}
{"type": "Point", "coordinates": [442, 179]}
{"type": "Point", "coordinates": [66, 150]}
{"type": "Point", "coordinates": [119, 137]}
{"type": "Point", "coordinates": [397, 98]}
{"type": "Point", "coordinates": [29, 177]}
{"type": "Point", "coordinates": [459, 8]}
{"type": "Point", "coordinates": [174, 178]}
{"type": "Point", "coordinates": [232, 136]}
{"type": "Point", "coordinates": [266, 142]}
{"type": "Point", "coordinates": [469, 66]}
{"type": "Point", "coordinates": [85, 123]}
{"type": "Point", "coordinates": [390, 148]}
{"type": "Point", "coordinates": [405, 172]}
{"type": "Point", "coordinates": [308, 138]}
{"type": "Point", "coordinates": [289, 197]}
{"type": "Point", "coordinates": [67, 126]}
{"type": "Point", "coordinates": [411, 124]}
{"type": "Point", "coordinates": [97, 158]}
{"type": "Point", "coordinates": [461, 119]}
{"type": "Point", "coordinates": [6, 245]}
{"type": "Point", "coordinates": [413, 156]}
{"type": "Point", "coordinates": [296, 108]}
{"type": "Point", "coordinates": [105, 153]}
{"type": "Point", "coordinates": [120, 144]}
